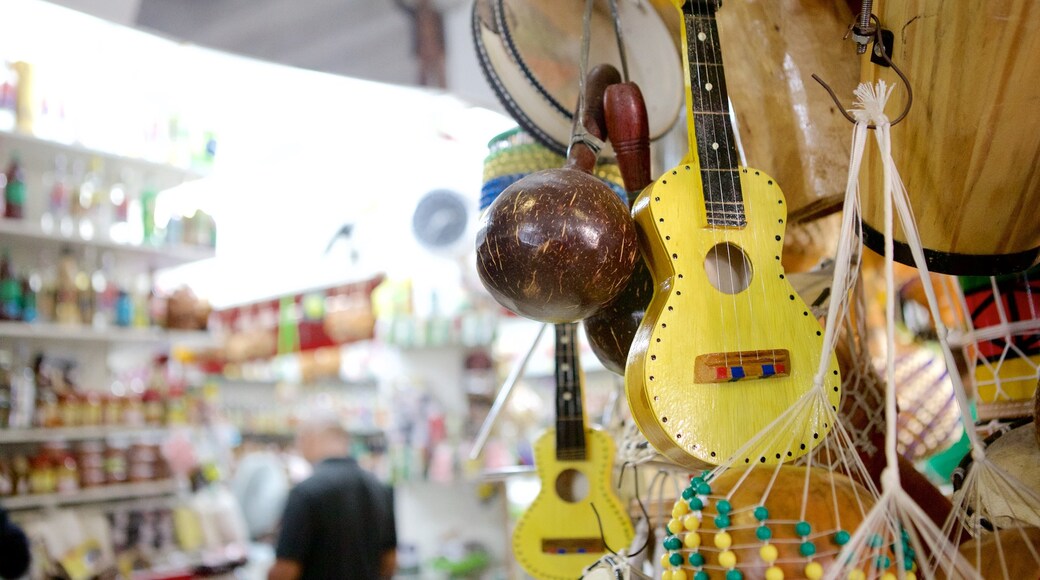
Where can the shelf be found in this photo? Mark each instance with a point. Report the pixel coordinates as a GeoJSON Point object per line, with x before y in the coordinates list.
{"type": "Point", "coordinates": [34, 147]}
{"type": "Point", "coordinates": [282, 436]}
{"type": "Point", "coordinates": [76, 333]}
{"type": "Point", "coordinates": [28, 235]}
{"type": "Point", "coordinates": [108, 493]}
{"type": "Point", "coordinates": [8, 436]}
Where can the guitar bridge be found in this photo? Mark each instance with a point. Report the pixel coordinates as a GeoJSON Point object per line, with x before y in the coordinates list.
{"type": "Point", "coordinates": [573, 545]}
{"type": "Point", "coordinates": [728, 367]}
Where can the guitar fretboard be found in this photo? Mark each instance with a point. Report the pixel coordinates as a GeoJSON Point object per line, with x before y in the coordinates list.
{"type": "Point", "coordinates": [570, 419]}
{"type": "Point", "coordinates": [716, 141]}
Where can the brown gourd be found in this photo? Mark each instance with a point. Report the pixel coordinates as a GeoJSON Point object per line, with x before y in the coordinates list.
{"type": "Point", "coordinates": [559, 244]}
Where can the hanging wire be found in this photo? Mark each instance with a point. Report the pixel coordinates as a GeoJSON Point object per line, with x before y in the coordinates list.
{"type": "Point", "coordinates": [620, 40]}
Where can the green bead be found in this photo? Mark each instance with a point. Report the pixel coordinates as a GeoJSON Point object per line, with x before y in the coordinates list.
{"type": "Point", "coordinates": [701, 575]}
{"type": "Point", "coordinates": [672, 543]}
{"type": "Point", "coordinates": [802, 528]}
{"type": "Point", "coordinates": [734, 575]}
{"type": "Point", "coordinates": [807, 549]}
{"type": "Point", "coordinates": [675, 559]}
{"type": "Point", "coordinates": [687, 493]}
{"type": "Point", "coordinates": [696, 504]}
{"type": "Point", "coordinates": [882, 562]}
{"type": "Point", "coordinates": [723, 506]}
{"type": "Point", "coordinates": [696, 559]}
{"type": "Point", "coordinates": [908, 564]}
{"type": "Point", "coordinates": [703, 489]}
{"type": "Point", "coordinates": [695, 481]}
{"type": "Point", "coordinates": [841, 537]}
{"type": "Point", "coordinates": [722, 521]}
{"type": "Point", "coordinates": [706, 474]}
{"type": "Point", "coordinates": [761, 513]}
{"type": "Point", "coordinates": [876, 541]}
{"type": "Point", "coordinates": [763, 533]}
{"type": "Point", "coordinates": [909, 552]}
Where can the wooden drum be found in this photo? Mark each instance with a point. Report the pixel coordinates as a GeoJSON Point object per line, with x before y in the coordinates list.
{"type": "Point", "coordinates": [969, 151]}
{"type": "Point", "coordinates": [788, 125]}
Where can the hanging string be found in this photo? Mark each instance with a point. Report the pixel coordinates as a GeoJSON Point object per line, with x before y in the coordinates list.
{"type": "Point", "coordinates": [579, 134]}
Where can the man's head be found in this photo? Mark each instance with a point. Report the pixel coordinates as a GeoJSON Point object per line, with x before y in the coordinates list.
{"type": "Point", "coordinates": [321, 436]}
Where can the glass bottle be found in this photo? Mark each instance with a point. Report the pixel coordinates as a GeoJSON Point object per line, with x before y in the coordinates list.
{"type": "Point", "coordinates": [105, 292]}
{"type": "Point", "coordinates": [10, 290]}
{"type": "Point", "coordinates": [85, 201]}
{"type": "Point", "coordinates": [56, 215]}
{"type": "Point", "coordinates": [14, 190]}
{"type": "Point", "coordinates": [66, 302]}
{"type": "Point", "coordinates": [30, 290]}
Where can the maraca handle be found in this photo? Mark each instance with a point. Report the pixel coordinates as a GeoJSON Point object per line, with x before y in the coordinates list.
{"type": "Point", "coordinates": [599, 79]}
{"type": "Point", "coordinates": [629, 132]}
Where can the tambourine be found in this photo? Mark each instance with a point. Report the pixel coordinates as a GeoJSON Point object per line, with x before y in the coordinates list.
{"type": "Point", "coordinates": [529, 51]}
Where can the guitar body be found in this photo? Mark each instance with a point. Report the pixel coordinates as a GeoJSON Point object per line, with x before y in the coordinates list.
{"type": "Point", "coordinates": [709, 368]}
{"type": "Point", "coordinates": [553, 524]}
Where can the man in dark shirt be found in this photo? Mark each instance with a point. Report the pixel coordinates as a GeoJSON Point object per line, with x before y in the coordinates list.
{"type": "Point", "coordinates": [339, 523]}
{"type": "Point", "coordinates": [14, 549]}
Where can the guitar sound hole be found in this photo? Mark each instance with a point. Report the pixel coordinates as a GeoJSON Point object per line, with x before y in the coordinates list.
{"type": "Point", "coordinates": [728, 268]}
{"type": "Point", "coordinates": [572, 486]}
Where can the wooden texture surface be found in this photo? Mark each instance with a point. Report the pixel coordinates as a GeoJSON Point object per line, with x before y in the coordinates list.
{"type": "Point", "coordinates": [969, 151]}
{"type": "Point", "coordinates": [551, 518]}
{"type": "Point", "coordinates": [787, 123]}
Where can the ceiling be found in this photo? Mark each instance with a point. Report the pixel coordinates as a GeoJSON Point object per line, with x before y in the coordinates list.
{"type": "Point", "coordinates": [367, 39]}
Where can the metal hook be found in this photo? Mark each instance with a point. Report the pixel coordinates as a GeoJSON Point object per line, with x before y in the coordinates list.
{"type": "Point", "coordinates": [884, 55]}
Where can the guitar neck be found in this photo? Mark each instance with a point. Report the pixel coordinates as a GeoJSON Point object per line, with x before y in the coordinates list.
{"type": "Point", "coordinates": [713, 144]}
{"type": "Point", "coordinates": [570, 417]}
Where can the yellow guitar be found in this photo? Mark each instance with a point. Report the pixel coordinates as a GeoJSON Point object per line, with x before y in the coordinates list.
{"type": "Point", "coordinates": [726, 344]}
{"type": "Point", "coordinates": [558, 535]}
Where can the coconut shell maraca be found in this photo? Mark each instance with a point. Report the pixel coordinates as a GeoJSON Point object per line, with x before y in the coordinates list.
{"type": "Point", "coordinates": [559, 244]}
{"type": "Point", "coordinates": [612, 328]}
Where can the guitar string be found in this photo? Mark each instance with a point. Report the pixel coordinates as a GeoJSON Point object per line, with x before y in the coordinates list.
{"type": "Point", "coordinates": [721, 125]}
{"type": "Point", "coordinates": [695, 47]}
{"type": "Point", "coordinates": [708, 61]}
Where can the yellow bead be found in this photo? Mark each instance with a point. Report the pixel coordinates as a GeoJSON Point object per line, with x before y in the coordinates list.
{"type": "Point", "coordinates": [769, 553]}
{"type": "Point", "coordinates": [675, 526]}
{"type": "Point", "coordinates": [692, 523]}
{"type": "Point", "coordinates": [728, 559]}
{"type": "Point", "coordinates": [665, 564]}
{"type": "Point", "coordinates": [681, 508]}
{"type": "Point", "coordinates": [774, 573]}
{"type": "Point", "coordinates": [857, 574]}
{"type": "Point", "coordinates": [678, 574]}
{"type": "Point", "coordinates": [889, 576]}
{"type": "Point", "coordinates": [666, 575]}
{"type": "Point", "coordinates": [692, 540]}
{"type": "Point", "coordinates": [813, 571]}
{"type": "Point", "coordinates": [910, 576]}
{"type": "Point", "coordinates": [723, 540]}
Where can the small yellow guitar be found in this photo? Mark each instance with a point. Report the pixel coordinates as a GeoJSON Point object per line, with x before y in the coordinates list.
{"type": "Point", "coordinates": [726, 344]}
{"type": "Point", "coordinates": [558, 536]}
